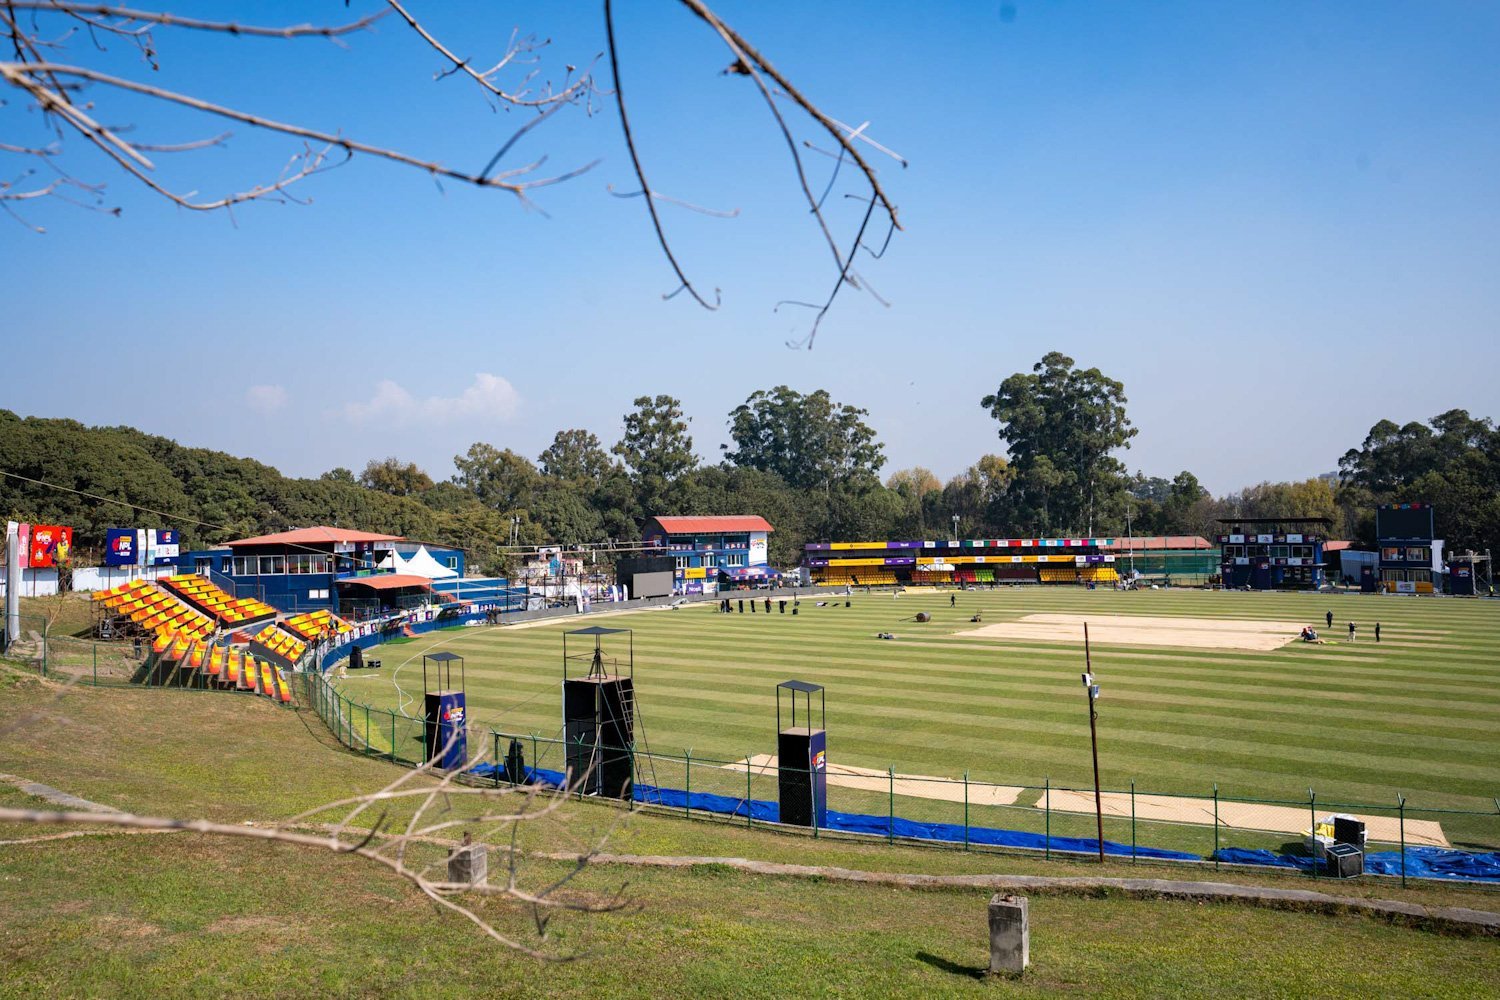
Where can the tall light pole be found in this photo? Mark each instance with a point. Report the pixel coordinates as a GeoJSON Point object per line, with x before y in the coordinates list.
{"type": "Point", "coordinates": [955, 527]}
{"type": "Point", "coordinates": [1091, 692]}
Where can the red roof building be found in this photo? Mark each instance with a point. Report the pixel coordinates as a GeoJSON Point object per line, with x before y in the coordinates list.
{"type": "Point", "coordinates": [733, 523]}
{"type": "Point", "coordinates": [320, 535]}
{"type": "Point", "coordinates": [706, 549]}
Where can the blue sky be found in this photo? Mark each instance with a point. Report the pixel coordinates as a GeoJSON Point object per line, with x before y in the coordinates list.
{"type": "Point", "coordinates": [1274, 222]}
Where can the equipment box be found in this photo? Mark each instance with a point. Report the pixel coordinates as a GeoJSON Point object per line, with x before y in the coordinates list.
{"type": "Point", "coordinates": [1344, 860]}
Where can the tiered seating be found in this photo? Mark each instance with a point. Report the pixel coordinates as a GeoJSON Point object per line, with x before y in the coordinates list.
{"type": "Point", "coordinates": [1098, 574]}
{"type": "Point", "coordinates": [156, 612]}
{"type": "Point", "coordinates": [984, 574]}
{"type": "Point", "coordinates": [313, 625]}
{"type": "Point", "coordinates": [276, 641]}
{"type": "Point", "coordinates": [217, 603]}
{"type": "Point", "coordinates": [1058, 574]}
{"type": "Point", "coordinates": [931, 576]}
{"type": "Point", "coordinates": [1014, 574]}
{"type": "Point", "coordinates": [867, 576]}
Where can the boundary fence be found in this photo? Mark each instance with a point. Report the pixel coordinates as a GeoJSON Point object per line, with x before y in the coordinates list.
{"type": "Point", "coordinates": [1406, 840]}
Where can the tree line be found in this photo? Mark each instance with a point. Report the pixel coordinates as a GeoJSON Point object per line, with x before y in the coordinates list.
{"type": "Point", "coordinates": [809, 464]}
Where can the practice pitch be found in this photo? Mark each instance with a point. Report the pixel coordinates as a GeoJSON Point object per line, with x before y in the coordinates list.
{"type": "Point", "coordinates": [1144, 630]}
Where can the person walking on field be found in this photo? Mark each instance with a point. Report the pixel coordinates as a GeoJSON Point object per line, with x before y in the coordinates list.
{"type": "Point", "coordinates": [952, 600]}
{"type": "Point", "coordinates": [1329, 618]}
{"type": "Point", "coordinates": [1351, 631]}
{"type": "Point", "coordinates": [1377, 631]}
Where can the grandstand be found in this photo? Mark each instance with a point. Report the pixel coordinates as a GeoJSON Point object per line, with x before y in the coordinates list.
{"type": "Point", "coordinates": [971, 562]}
{"type": "Point", "coordinates": [195, 642]}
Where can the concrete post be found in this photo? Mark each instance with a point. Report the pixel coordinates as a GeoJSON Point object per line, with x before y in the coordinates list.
{"type": "Point", "coordinates": [1010, 934]}
{"type": "Point", "coordinates": [469, 865]}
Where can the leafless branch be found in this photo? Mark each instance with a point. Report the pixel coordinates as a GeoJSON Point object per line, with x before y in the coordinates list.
{"type": "Point", "coordinates": [640, 171]}
{"type": "Point", "coordinates": [486, 79]}
{"type": "Point", "coordinates": [167, 20]}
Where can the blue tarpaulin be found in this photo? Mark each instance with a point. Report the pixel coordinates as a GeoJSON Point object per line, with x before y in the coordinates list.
{"type": "Point", "coordinates": [882, 826]}
{"type": "Point", "coordinates": [1421, 862]}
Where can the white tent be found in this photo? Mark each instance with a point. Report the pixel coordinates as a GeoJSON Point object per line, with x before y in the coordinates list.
{"type": "Point", "coordinates": [421, 563]}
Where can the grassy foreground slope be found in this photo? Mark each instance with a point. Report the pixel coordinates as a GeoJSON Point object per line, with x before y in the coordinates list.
{"type": "Point", "coordinates": [177, 914]}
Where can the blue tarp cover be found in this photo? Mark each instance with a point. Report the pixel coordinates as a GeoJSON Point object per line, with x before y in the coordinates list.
{"type": "Point", "coordinates": [1421, 862]}
{"type": "Point", "coordinates": [769, 812]}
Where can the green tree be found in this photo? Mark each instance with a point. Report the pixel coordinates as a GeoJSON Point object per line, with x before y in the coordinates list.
{"type": "Point", "coordinates": [656, 449]}
{"type": "Point", "coordinates": [1073, 418]}
{"type": "Point", "coordinates": [500, 479]}
{"type": "Point", "coordinates": [810, 441]}
{"type": "Point", "coordinates": [393, 476]}
{"type": "Point", "coordinates": [576, 456]}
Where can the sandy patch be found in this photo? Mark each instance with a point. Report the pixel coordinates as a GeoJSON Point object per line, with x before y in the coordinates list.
{"type": "Point", "coordinates": [1243, 816]}
{"type": "Point", "coordinates": [917, 786]}
{"type": "Point", "coordinates": [1143, 630]}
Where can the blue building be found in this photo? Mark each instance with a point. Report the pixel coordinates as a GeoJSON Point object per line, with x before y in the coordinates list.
{"type": "Point", "coordinates": [1411, 554]}
{"type": "Point", "coordinates": [709, 551]}
{"type": "Point", "coordinates": [351, 573]}
{"type": "Point", "coordinates": [1272, 553]}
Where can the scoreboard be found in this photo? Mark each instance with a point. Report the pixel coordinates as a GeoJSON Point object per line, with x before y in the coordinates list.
{"type": "Point", "coordinates": [1404, 522]}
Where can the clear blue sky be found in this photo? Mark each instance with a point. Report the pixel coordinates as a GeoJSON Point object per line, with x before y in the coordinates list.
{"type": "Point", "coordinates": [1274, 222]}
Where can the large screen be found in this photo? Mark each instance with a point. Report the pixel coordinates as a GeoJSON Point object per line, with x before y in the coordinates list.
{"type": "Point", "coordinates": [1408, 522]}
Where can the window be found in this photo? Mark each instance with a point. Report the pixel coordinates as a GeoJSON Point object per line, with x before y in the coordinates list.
{"type": "Point", "coordinates": [317, 595]}
{"type": "Point", "coordinates": [244, 566]}
{"type": "Point", "coordinates": [203, 567]}
{"type": "Point", "coordinates": [272, 565]}
{"type": "Point", "coordinates": [680, 562]}
{"type": "Point", "coordinates": [1278, 551]}
{"type": "Point", "coordinates": [708, 561]}
{"type": "Point", "coordinates": [735, 559]}
{"type": "Point", "coordinates": [1390, 555]}
{"type": "Point", "coordinates": [452, 562]}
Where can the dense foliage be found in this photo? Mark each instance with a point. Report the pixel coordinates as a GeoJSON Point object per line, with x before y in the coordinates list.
{"type": "Point", "coordinates": [806, 462]}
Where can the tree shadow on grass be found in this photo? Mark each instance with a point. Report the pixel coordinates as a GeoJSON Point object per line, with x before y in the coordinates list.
{"type": "Point", "coordinates": [945, 965]}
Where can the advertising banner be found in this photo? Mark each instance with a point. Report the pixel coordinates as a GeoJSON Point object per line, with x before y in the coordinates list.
{"type": "Point", "coordinates": [161, 547]}
{"type": "Point", "coordinates": [120, 548]}
{"type": "Point", "coordinates": [50, 544]}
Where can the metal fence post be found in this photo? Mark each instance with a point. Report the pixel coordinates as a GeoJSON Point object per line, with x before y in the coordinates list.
{"type": "Point", "coordinates": [1312, 812]}
{"type": "Point", "coordinates": [496, 760]}
{"type": "Point", "coordinates": [687, 779]}
{"type": "Point", "coordinates": [748, 822]}
{"type": "Point", "coordinates": [1047, 799]}
{"type": "Point", "coordinates": [1132, 821]}
{"type": "Point", "coordinates": [1216, 826]}
{"type": "Point", "coordinates": [367, 729]}
{"type": "Point", "coordinates": [966, 809]}
{"type": "Point", "coordinates": [890, 823]}
{"type": "Point", "coordinates": [94, 648]}
{"type": "Point", "coordinates": [1401, 809]}
{"type": "Point", "coordinates": [395, 757]}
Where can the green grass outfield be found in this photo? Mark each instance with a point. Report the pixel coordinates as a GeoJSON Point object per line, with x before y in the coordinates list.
{"type": "Point", "coordinates": [1416, 714]}
{"type": "Point", "coordinates": [181, 915]}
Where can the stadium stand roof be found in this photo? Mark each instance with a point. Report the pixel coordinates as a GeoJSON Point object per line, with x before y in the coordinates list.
{"type": "Point", "coordinates": [1142, 543]}
{"type": "Point", "coordinates": [389, 581]}
{"type": "Point", "coordinates": [313, 536]}
{"type": "Point", "coordinates": [708, 525]}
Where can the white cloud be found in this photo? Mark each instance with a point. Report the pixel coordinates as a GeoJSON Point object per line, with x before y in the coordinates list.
{"type": "Point", "coordinates": [265, 399]}
{"type": "Point", "coordinates": [490, 398]}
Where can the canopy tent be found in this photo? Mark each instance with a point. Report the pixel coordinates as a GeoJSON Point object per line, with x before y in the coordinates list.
{"type": "Point", "coordinates": [419, 563]}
